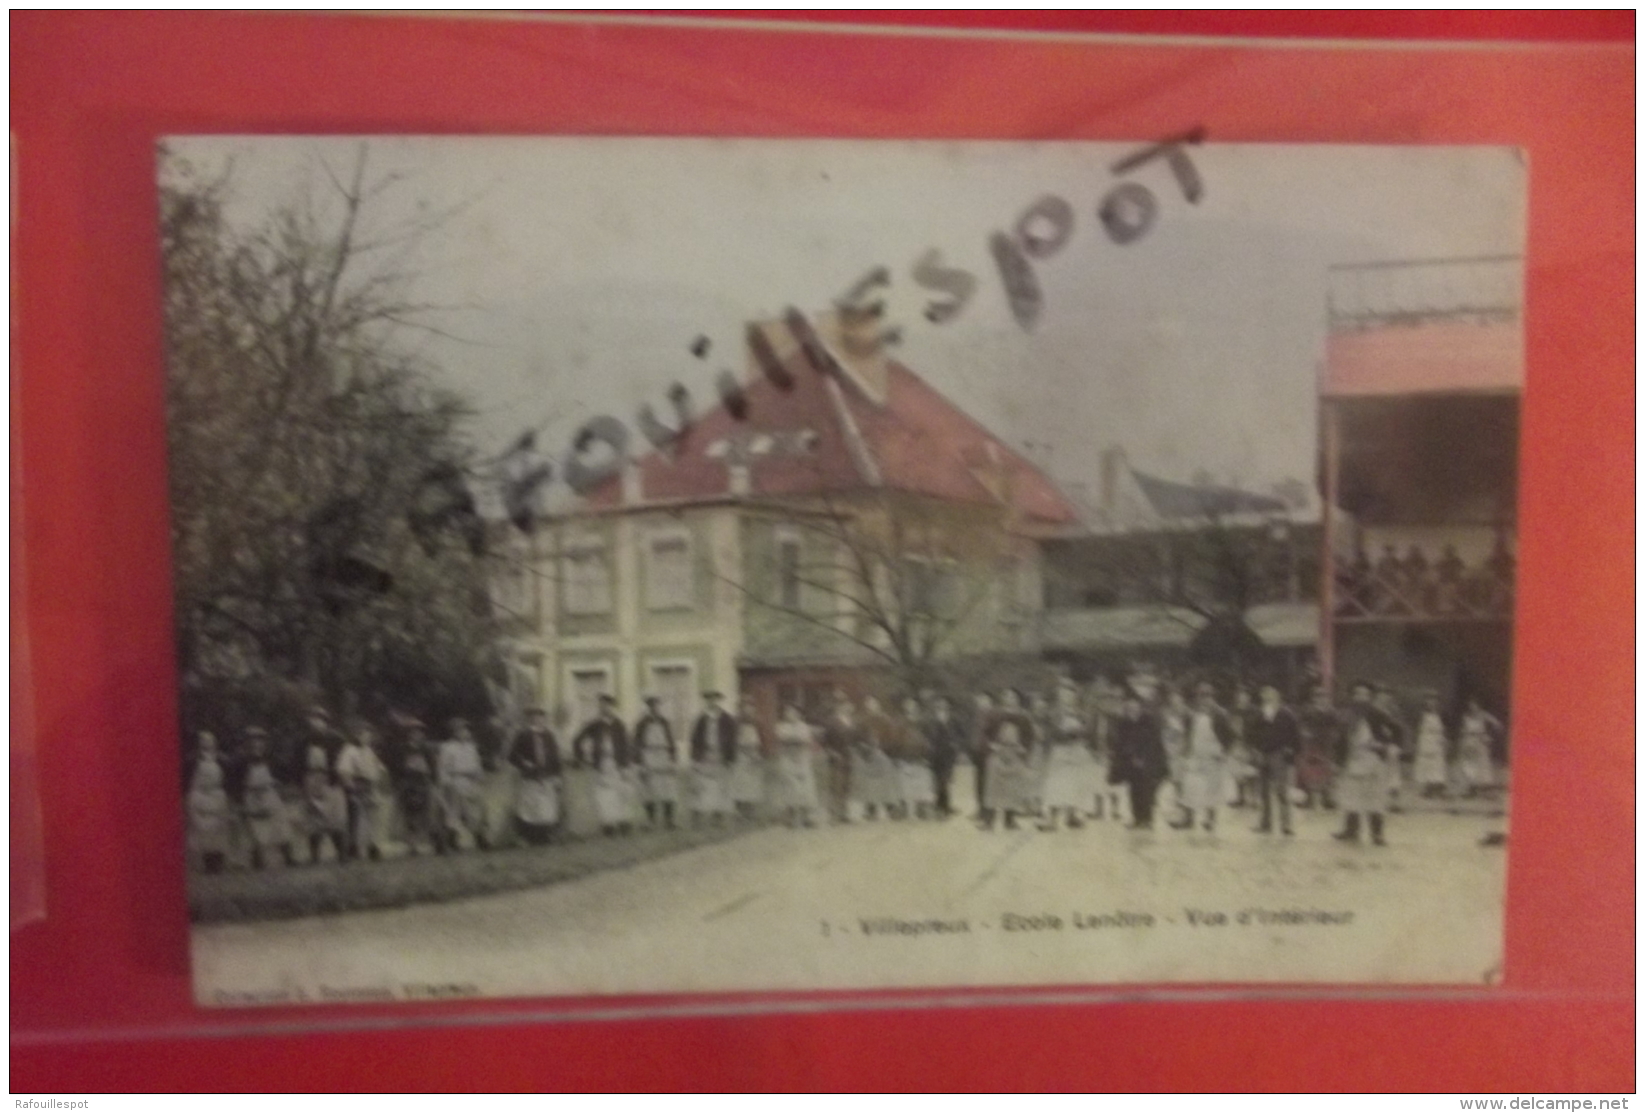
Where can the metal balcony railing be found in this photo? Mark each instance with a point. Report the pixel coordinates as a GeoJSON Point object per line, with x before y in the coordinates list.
{"type": "Point", "coordinates": [1396, 592]}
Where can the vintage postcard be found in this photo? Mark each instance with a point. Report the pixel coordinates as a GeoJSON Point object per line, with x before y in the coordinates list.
{"type": "Point", "coordinates": [638, 566]}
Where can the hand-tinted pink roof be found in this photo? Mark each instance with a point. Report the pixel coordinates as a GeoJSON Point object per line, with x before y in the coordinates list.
{"type": "Point", "coordinates": [913, 440]}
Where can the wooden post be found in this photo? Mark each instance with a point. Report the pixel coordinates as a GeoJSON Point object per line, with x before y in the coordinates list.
{"type": "Point", "coordinates": [1331, 446]}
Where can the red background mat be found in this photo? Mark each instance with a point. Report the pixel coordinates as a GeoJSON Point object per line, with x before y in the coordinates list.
{"type": "Point", "coordinates": [100, 994]}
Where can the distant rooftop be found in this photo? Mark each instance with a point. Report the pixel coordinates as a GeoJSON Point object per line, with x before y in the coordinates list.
{"type": "Point", "coordinates": [1188, 500]}
{"type": "Point", "coordinates": [1486, 289]}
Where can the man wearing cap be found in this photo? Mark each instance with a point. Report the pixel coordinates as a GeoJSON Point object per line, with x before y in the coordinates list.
{"type": "Point", "coordinates": [602, 746]}
{"type": "Point", "coordinates": [1369, 765]}
{"type": "Point", "coordinates": [713, 751]}
{"type": "Point", "coordinates": [1136, 756]}
{"type": "Point", "coordinates": [659, 760]}
{"type": "Point", "coordinates": [1205, 768]}
{"type": "Point", "coordinates": [842, 736]}
{"type": "Point", "coordinates": [944, 740]}
{"type": "Point", "coordinates": [1274, 738]}
{"type": "Point", "coordinates": [535, 755]}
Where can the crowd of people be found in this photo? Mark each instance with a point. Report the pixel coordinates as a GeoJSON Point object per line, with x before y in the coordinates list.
{"type": "Point", "coordinates": [1075, 754]}
{"type": "Point", "coordinates": [1412, 584]}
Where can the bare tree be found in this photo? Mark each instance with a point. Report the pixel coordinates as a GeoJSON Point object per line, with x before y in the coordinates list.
{"type": "Point", "coordinates": [897, 578]}
{"type": "Point", "coordinates": [1208, 571]}
{"type": "Point", "coordinates": [326, 542]}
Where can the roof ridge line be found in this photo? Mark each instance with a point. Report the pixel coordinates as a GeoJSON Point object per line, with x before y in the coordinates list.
{"type": "Point", "coordinates": [855, 443]}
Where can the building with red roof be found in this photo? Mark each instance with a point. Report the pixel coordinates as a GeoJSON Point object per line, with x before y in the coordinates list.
{"type": "Point", "coordinates": [838, 523]}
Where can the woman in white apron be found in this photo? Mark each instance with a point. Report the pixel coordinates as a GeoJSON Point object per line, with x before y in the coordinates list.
{"type": "Point", "coordinates": [1010, 786]}
{"type": "Point", "coordinates": [265, 809]}
{"type": "Point", "coordinates": [364, 779]}
{"type": "Point", "coordinates": [713, 751]}
{"type": "Point", "coordinates": [919, 789]}
{"type": "Point", "coordinates": [499, 786]}
{"type": "Point", "coordinates": [1240, 775]}
{"type": "Point", "coordinates": [1071, 780]}
{"type": "Point", "coordinates": [462, 805]}
{"type": "Point", "coordinates": [210, 816]}
{"type": "Point", "coordinates": [746, 780]}
{"type": "Point", "coordinates": [419, 803]}
{"type": "Point", "coordinates": [535, 758]}
{"type": "Point", "coordinates": [1204, 770]}
{"type": "Point", "coordinates": [1474, 769]}
{"type": "Point", "coordinates": [1430, 770]}
{"type": "Point", "coordinates": [1371, 767]}
{"type": "Point", "coordinates": [874, 781]}
{"type": "Point", "coordinates": [1102, 708]}
{"type": "Point", "coordinates": [325, 810]}
{"type": "Point", "coordinates": [796, 769]}
{"type": "Point", "coordinates": [614, 795]}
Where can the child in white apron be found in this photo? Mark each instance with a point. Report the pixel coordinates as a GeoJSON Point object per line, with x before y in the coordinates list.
{"type": "Point", "coordinates": [1430, 771]}
{"type": "Point", "coordinates": [796, 769]}
{"type": "Point", "coordinates": [263, 806]}
{"type": "Point", "coordinates": [458, 774]}
{"type": "Point", "coordinates": [746, 780]}
{"type": "Point", "coordinates": [209, 812]}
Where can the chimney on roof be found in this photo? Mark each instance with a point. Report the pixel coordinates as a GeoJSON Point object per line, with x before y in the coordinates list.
{"type": "Point", "coordinates": [1112, 469]}
{"type": "Point", "coordinates": [855, 342]}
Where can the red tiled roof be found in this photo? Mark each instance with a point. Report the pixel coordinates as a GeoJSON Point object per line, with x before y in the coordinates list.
{"type": "Point", "coordinates": [910, 439]}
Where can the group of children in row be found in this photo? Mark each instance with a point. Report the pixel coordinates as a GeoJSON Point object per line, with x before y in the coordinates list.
{"type": "Point", "coordinates": [1064, 758]}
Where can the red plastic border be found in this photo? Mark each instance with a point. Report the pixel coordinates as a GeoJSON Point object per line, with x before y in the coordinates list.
{"type": "Point", "coordinates": [91, 93]}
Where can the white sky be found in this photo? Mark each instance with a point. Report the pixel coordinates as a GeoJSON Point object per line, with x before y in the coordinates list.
{"type": "Point", "coordinates": [588, 266]}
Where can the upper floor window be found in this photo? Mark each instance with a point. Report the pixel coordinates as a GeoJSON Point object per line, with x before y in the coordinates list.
{"type": "Point", "coordinates": [788, 569]}
{"type": "Point", "coordinates": [668, 583]}
{"type": "Point", "coordinates": [1028, 588]}
{"type": "Point", "coordinates": [933, 587]}
{"type": "Point", "coordinates": [587, 572]}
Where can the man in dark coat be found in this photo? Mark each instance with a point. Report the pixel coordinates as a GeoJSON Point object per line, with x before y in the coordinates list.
{"type": "Point", "coordinates": [1321, 728]}
{"type": "Point", "coordinates": [1274, 739]}
{"type": "Point", "coordinates": [1137, 757]}
{"type": "Point", "coordinates": [842, 736]}
{"type": "Point", "coordinates": [603, 734]}
{"type": "Point", "coordinates": [602, 747]}
{"type": "Point", "coordinates": [419, 805]}
{"type": "Point", "coordinates": [981, 730]}
{"type": "Point", "coordinates": [1370, 741]}
{"type": "Point", "coordinates": [715, 732]}
{"type": "Point", "coordinates": [713, 752]}
{"type": "Point", "coordinates": [535, 752]}
{"type": "Point", "coordinates": [659, 761]}
{"type": "Point", "coordinates": [944, 738]}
